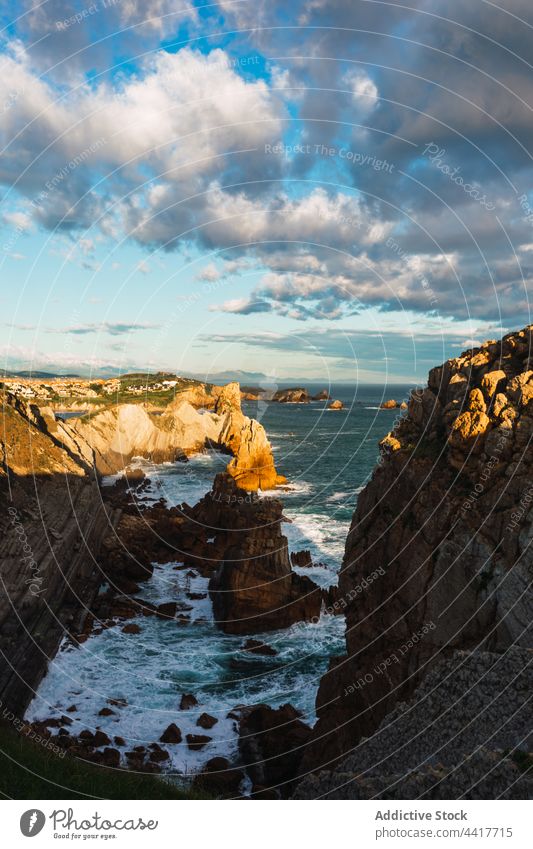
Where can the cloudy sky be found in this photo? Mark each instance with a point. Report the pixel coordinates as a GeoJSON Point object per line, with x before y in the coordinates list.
{"type": "Point", "coordinates": [334, 189]}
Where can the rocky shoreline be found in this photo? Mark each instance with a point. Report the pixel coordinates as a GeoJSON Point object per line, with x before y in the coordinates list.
{"type": "Point", "coordinates": [435, 584]}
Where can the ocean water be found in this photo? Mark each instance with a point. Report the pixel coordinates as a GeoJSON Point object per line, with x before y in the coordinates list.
{"type": "Point", "coordinates": [327, 456]}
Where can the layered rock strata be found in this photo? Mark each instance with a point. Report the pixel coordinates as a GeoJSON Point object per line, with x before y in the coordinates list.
{"type": "Point", "coordinates": [446, 521]}
{"type": "Point", "coordinates": [116, 435]}
{"type": "Point", "coordinates": [254, 588]}
{"type": "Point", "coordinates": [51, 525]}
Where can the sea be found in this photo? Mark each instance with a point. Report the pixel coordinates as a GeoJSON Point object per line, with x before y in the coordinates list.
{"type": "Point", "coordinates": [327, 457]}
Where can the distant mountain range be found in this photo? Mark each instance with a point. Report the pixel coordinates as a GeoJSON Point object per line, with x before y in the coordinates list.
{"type": "Point", "coordinates": [249, 377]}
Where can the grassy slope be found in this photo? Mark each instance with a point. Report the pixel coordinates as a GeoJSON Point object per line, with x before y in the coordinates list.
{"type": "Point", "coordinates": [29, 771]}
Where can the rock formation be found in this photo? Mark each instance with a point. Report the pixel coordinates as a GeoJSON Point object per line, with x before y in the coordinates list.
{"type": "Point", "coordinates": [253, 463]}
{"type": "Point", "coordinates": [447, 520]}
{"type": "Point", "coordinates": [59, 539]}
{"type": "Point", "coordinates": [254, 588]}
{"type": "Point", "coordinates": [292, 396]}
{"type": "Point", "coordinates": [336, 405]}
{"type": "Point", "coordinates": [118, 434]}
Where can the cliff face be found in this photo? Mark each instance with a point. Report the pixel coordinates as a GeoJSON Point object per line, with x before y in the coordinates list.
{"type": "Point", "coordinates": [444, 529]}
{"type": "Point", "coordinates": [118, 434]}
{"type": "Point", "coordinates": [54, 519]}
{"type": "Point", "coordinates": [51, 526]}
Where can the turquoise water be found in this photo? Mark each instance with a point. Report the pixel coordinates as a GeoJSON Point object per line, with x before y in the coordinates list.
{"type": "Point", "coordinates": [327, 456]}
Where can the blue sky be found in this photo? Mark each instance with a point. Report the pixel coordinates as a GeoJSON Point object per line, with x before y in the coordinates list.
{"type": "Point", "coordinates": [337, 191]}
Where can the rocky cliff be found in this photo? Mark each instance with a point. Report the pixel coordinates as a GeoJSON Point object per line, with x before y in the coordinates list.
{"type": "Point", "coordinates": [444, 528]}
{"type": "Point", "coordinates": [124, 431]}
{"type": "Point", "coordinates": [253, 588]}
{"type": "Point", "coordinates": [54, 519]}
{"type": "Point", "coordinates": [51, 524]}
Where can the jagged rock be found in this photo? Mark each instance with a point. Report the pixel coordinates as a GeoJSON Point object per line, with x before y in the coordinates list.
{"type": "Point", "coordinates": [188, 701]}
{"type": "Point", "coordinates": [472, 718]}
{"type": "Point", "coordinates": [323, 395]}
{"type": "Point", "coordinates": [48, 581]}
{"type": "Point", "coordinates": [171, 735]}
{"type": "Point", "coordinates": [491, 382]}
{"type": "Point", "coordinates": [254, 588]}
{"type": "Point", "coordinates": [389, 405]}
{"type": "Point", "coordinates": [112, 438]}
{"type": "Point", "coordinates": [196, 742]}
{"type": "Point", "coordinates": [257, 647]}
{"type": "Point", "coordinates": [206, 721]}
{"type": "Point", "coordinates": [292, 396]}
{"type": "Point", "coordinates": [302, 559]}
{"type": "Point", "coordinates": [106, 712]}
{"type": "Point", "coordinates": [252, 465]}
{"type": "Point", "coordinates": [447, 520]}
{"type": "Point", "coordinates": [336, 405]}
{"type": "Point", "coordinates": [272, 743]}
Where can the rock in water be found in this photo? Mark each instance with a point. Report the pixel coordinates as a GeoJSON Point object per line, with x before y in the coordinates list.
{"type": "Point", "coordinates": [447, 524]}
{"type": "Point", "coordinates": [336, 405]}
{"type": "Point", "coordinates": [171, 735]}
{"type": "Point", "coordinates": [292, 396]}
{"type": "Point", "coordinates": [302, 559]}
{"type": "Point", "coordinates": [254, 588]}
{"type": "Point", "coordinates": [253, 462]}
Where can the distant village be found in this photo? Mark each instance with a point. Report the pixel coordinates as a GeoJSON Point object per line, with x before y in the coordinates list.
{"type": "Point", "coordinates": [53, 388]}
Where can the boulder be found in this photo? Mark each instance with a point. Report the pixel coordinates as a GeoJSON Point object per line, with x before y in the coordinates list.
{"type": "Point", "coordinates": [196, 742]}
{"type": "Point", "coordinates": [171, 735]}
{"type": "Point", "coordinates": [131, 628]}
{"type": "Point", "coordinates": [206, 721]}
{"type": "Point", "coordinates": [336, 405]}
{"type": "Point", "coordinates": [257, 647]}
{"type": "Point", "coordinates": [188, 701]}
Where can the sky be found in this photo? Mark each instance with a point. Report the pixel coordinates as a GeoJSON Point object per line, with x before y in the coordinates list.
{"type": "Point", "coordinates": [333, 190]}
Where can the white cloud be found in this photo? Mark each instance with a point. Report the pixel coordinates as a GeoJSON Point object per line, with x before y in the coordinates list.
{"type": "Point", "coordinates": [364, 91]}
{"type": "Point", "coordinates": [19, 220]}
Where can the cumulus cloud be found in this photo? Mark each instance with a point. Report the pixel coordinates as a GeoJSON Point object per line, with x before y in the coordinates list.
{"type": "Point", "coordinates": [181, 159]}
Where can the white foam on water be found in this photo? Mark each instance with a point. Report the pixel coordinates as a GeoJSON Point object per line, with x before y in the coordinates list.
{"type": "Point", "coordinates": [152, 669]}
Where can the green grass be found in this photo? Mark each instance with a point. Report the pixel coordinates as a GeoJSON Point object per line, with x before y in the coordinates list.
{"type": "Point", "coordinates": [30, 771]}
